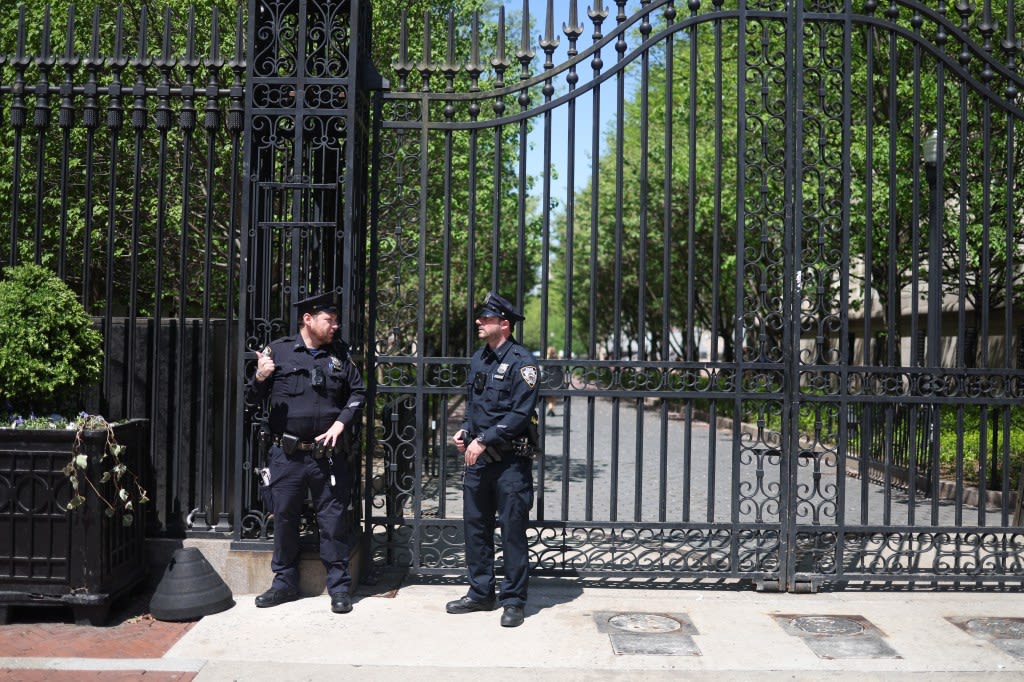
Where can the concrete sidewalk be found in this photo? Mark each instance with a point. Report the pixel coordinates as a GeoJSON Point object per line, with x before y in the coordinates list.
{"type": "Point", "coordinates": [597, 633]}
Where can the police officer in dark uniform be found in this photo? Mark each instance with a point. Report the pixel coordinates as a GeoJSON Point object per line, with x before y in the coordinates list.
{"type": "Point", "coordinates": [316, 396]}
{"type": "Point", "coordinates": [497, 438]}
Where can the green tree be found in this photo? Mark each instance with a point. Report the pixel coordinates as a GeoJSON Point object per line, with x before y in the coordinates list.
{"type": "Point", "coordinates": [890, 198]}
{"type": "Point", "coordinates": [863, 201]}
{"type": "Point", "coordinates": [450, 218]}
{"type": "Point", "coordinates": [94, 185]}
{"type": "Point", "coordinates": [664, 239]}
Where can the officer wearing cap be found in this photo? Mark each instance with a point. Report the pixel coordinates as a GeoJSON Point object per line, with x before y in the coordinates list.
{"type": "Point", "coordinates": [497, 439]}
{"type": "Point", "coordinates": [315, 396]}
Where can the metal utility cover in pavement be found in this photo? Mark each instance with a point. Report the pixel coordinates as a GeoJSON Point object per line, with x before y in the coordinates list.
{"type": "Point", "coordinates": [653, 634]}
{"type": "Point", "coordinates": [837, 636]}
{"type": "Point", "coordinates": [1005, 633]}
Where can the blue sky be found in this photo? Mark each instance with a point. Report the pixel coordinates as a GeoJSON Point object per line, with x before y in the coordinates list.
{"type": "Point", "coordinates": [584, 104]}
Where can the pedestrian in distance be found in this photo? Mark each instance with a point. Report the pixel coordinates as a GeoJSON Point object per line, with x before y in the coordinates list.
{"type": "Point", "coordinates": [554, 380]}
{"type": "Point", "coordinates": [498, 439]}
{"type": "Point", "coordinates": [316, 396]}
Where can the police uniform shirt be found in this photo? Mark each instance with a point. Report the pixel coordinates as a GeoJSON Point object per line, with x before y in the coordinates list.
{"type": "Point", "coordinates": [502, 392]}
{"type": "Point", "coordinates": [310, 389]}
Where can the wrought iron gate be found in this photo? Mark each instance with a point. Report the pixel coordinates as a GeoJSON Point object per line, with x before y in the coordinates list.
{"type": "Point", "coordinates": [779, 261]}
{"type": "Point", "coordinates": [782, 281]}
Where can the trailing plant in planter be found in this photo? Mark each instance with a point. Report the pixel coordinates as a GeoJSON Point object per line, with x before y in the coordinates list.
{"type": "Point", "coordinates": [128, 489]}
{"type": "Point", "coordinates": [50, 354]}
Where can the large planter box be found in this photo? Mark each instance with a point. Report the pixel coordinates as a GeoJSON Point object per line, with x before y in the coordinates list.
{"type": "Point", "coordinates": [49, 555]}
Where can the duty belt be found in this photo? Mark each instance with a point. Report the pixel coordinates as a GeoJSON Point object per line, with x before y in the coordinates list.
{"type": "Point", "coordinates": [290, 444]}
{"type": "Point", "coordinates": [519, 447]}
{"type": "Point", "coordinates": [301, 445]}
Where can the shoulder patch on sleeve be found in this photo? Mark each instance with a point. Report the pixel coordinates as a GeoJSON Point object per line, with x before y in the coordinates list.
{"type": "Point", "coordinates": [529, 373]}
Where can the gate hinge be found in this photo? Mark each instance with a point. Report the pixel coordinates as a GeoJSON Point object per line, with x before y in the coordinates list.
{"type": "Point", "coordinates": [801, 584]}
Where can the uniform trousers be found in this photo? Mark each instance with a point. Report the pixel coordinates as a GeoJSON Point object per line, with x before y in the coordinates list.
{"type": "Point", "coordinates": [504, 489]}
{"type": "Point", "coordinates": [290, 477]}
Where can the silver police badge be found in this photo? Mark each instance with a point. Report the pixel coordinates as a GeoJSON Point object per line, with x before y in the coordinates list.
{"type": "Point", "coordinates": [529, 373]}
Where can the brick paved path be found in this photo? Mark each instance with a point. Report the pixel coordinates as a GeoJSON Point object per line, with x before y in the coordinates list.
{"type": "Point", "coordinates": [134, 634]}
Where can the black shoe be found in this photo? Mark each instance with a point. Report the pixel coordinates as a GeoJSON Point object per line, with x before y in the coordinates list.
{"type": "Point", "coordinates": [341, 602]}
{"type": "Point", "coordinates": [513, 617]}
{"type": "Point", "coordinates": [274, 597]}
{"type": "Point", "coordinates": [467, 605]}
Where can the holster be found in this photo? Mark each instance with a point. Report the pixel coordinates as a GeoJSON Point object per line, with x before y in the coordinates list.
{"type": "Point", "coordinates": [528, 444]}
{"type": "Point", "coordinates": [289, 442]}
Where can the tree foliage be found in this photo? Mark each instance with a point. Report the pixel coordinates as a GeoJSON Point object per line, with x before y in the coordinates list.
{"type": "Point", "coordinates": [660, 261]}
{"type": "Point", "coordinates": [108, 182]}
{"type": "Point", "coordinates": [907, 96]}
{"type": "Point", "coordinates": [700, 181]}
{"type": "Point", "coordinates": [456, 218]}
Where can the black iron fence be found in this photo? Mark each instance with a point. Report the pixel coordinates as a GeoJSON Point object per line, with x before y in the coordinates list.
{"type": "Point", "coordinates": [124, 137]}
{"type": "Point", "coordinates": [191, 174]}
{"type": "Point", "coordinates": [895, 445]}
{"type": "Point", "coordinates": [742, 269]}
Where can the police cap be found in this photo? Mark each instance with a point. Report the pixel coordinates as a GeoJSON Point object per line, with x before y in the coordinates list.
{"type": "Point", "coordinates": [496, 306]}
{"type": "Point", "coordinates": [318, 304]}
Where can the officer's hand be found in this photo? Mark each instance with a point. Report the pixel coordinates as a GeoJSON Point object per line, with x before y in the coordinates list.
{"type": "Point", "coordinates": [329, 438]}
{"type": "Point", "coordinates": [473, 452]}
{"type": "Point", "coordinates": [460, 440]}
{"type": "Point", "coordinates": [265, 365]}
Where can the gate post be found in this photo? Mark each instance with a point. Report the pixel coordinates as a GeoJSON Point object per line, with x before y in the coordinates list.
{"type": "Point", "coordinates": [304, 197]}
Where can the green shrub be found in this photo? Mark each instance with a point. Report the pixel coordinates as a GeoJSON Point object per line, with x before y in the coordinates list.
{"type": "Point", "coordinates": [49, 349]}
{"type": "Point", "coordinates": [950, 444]}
